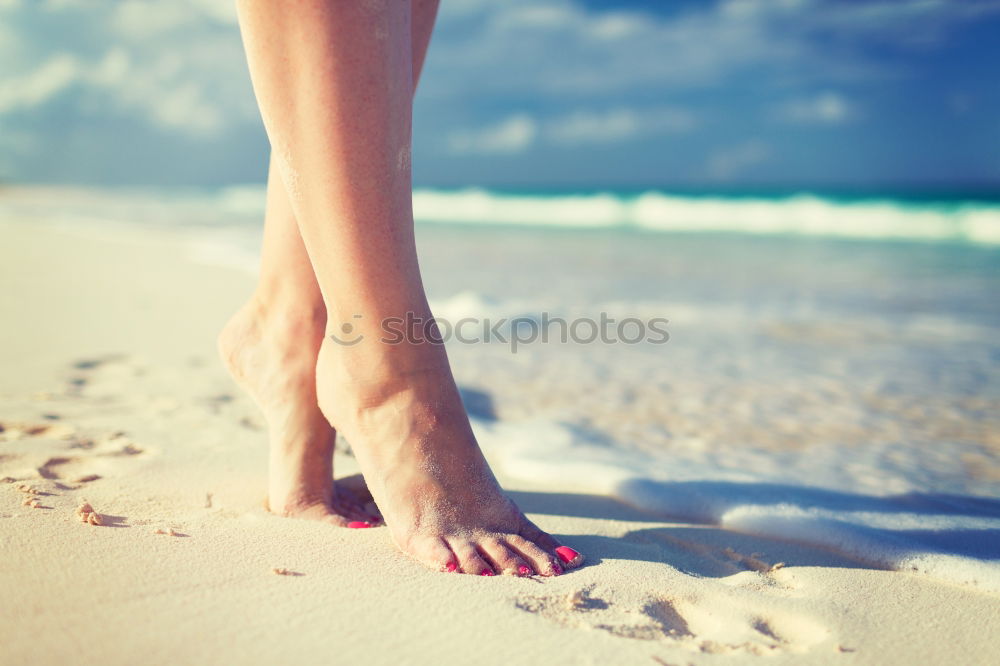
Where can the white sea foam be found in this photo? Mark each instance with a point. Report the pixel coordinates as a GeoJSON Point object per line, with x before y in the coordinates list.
{"type": "Point", "coordinates": [889, 506]}
{"type": "Point", "coordinates": [803, 214]}
{"type": "Point", "coordinates": [475, 205]}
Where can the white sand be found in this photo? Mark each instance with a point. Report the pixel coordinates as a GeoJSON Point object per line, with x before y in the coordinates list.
{"type": "Point", "coordinates": [108, 370]}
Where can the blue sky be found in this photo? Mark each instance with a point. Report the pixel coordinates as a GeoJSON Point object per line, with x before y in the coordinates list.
{"type": "Point", "coordinates": [540, 93]}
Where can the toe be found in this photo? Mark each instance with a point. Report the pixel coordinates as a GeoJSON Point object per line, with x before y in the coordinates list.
{"type": "Point", "coordinates": [531, 532]}
{"type": "Point", "coordinates": [433, 553]}
{"type": "Point", "coordinates": [503, 559]}
{"type": "Point", "coordinates": [542, 561]}
{"type": "Point", "coordinates": [570, 558]}
{"type": "Point", "coordinates": [336, 519]}
{"type": "Point", "coordinates": [470, 560]}
{"type": "Point", "coordinates": [332, 515]}
{"type": "Point", "coordinates": [567, 557]}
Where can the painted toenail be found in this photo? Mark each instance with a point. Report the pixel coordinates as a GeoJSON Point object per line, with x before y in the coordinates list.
{"type": "Point", "coordinates": [566, 554]}
{"type": "Point", "coordinates": [358, 524]}
{"type": "Point", "coordinates": [523, 570]}
{"type": "Point", "coordinates": [558, 569]}
{"type": "Point", "coordinates": [486, 572]}
{"type": "Point", "coordinates": [451, 566]}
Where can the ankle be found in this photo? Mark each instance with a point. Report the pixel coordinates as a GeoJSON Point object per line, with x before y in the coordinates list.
{"type": "Point", "coordinates": [373, 364]}
{"type": "Point", "coordinates": [287, 318]}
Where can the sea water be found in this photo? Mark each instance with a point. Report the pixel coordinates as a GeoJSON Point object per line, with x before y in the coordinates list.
{"type": "Point", "coordinates": [831, 374]}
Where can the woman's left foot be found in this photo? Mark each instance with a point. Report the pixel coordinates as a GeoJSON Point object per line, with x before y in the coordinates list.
{"type": "Point", "coordinates": [271, 353]}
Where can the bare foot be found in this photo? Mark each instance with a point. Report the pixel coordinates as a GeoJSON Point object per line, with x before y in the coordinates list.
{"type": "Point", "coordinates": [271, 353]}
{"type": "Point", "coordinates": [412, 438]}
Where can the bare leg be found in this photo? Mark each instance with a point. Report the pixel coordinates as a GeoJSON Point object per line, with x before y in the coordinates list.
{"type": "Point", "coordinates": [270, 346]}
{"type": "Point", "coordinates": [334, 83]}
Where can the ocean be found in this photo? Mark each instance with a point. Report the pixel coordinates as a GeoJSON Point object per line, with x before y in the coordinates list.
{"type": "Point", "coordinates": [829, 373]}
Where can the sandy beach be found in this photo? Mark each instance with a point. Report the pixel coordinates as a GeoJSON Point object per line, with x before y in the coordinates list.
{"type": "Point", "coordinates": [111, 393]}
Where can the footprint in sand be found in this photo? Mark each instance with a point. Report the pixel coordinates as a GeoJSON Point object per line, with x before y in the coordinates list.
{"type": "Point", "coordinates": [58, 457]}
{"type": "Point", "coordinates": [57, 452]}
{"type": "Point", "coordinates": [216, 403]}
{"type": "Point", "coordinates": [728, 599]}
{"type": "Point", "coordinates": [101, 377]}
{"type": "Point", "coordinates": [711, 626]}
{"type": "Point", "coordinates": [42, 460]}
{"type": "Point", "coordinates": [13, 431]}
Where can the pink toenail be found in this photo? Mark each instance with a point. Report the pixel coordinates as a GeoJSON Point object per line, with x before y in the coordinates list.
{"type": "Point", "coordinates": [566, 554]}
{"type": "Point", "coordinates": [523, 570]}
{"type": "Point", "coordinates": [358, 524]}
{"type": "Point", "coordinates": [558, 569]}
{"type": "Point", "coordinates": [451, 566]}
{"type": "Point", "coordinates": [486, 572]}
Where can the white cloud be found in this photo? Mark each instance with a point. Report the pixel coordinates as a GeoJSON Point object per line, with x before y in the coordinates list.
{"type": "Point", "coordinates": [556, 48]}
{"type": "Point", "coordinates": [60, 73]}
{"type": "Point", "coordinates": [223, 12]}
{"type": "Point", "coordinates": [735, 160]}
{"type": "Point", "coordinates": [615, 26]}
{"type": "Point", "coordinates": [139, 21]}
{"type": "Point", "coordinates": [511, 135]}
{"type": "Point", "coordinates": [112, 70]}
{"type": "Point", "coordinates": [55, 75]}
{"type": "Point", "coordinates": [195, 89]}
{"type": "Point", "coordinates": [185, 105]}
{"type": "Point", "coordinates": [826, 108]}
{"type": "Point", "coordinates": [60, 5]}
{"type": "Point", "coordinates": [521, 131]}
{"type": "Point", "coordinates": [619, 124]}
{"type": "Point", "coordinates": [535, 16]}
{"type": "Point", "coordinates": [179, 65]}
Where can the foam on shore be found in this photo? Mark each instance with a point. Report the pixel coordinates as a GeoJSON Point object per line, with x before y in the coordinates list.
{"type": "Point", "coordinates": [800, 214]}
{"type": "Point", "coordinates": [889, 506]}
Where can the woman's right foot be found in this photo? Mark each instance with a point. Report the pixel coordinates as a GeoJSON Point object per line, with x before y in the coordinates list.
{"type": "Point", "coordinates": [271, 353]}
{"type": "Point", "coordinates": [401, 412]}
